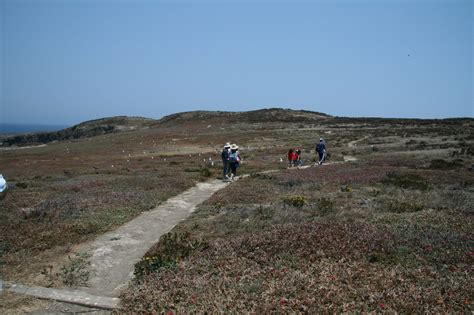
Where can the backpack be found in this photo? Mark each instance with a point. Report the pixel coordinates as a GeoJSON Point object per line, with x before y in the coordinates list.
{"type": "Point", "coordinates": [320, 148]}
{"type": "Point", "coordinates": [234, 157]}
{"type": "Point", "coordinates": [225, 155]}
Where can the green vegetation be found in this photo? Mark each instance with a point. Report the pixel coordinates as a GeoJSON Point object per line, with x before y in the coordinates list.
{"type": "Point", "coordinates": [75, 272]}
{"type": "Point", "coordinates": [295, 201]}
{"type": "Point", "coordinates": [173, 248]}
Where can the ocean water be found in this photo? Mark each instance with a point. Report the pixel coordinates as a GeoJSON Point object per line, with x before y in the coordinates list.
{"type": "Point", "coordinates": [27, 128]}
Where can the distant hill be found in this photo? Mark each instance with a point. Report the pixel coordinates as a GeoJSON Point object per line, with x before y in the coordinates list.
{"type": "Point", "coordinates": [83, 130]}
{"type": "Point", "coordinates": [255, 116]}
{"type": "Point", "coordinates": [124, 123]}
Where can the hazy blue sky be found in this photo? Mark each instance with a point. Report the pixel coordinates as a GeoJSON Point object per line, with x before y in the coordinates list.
{"type": "Point", "coordinates": [65, 62]}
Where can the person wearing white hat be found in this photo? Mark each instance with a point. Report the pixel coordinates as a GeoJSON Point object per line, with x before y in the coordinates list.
{"type": "Point", "coordinates": [234, 159]}
{"type": "Point", "coordinates": [225, 161]}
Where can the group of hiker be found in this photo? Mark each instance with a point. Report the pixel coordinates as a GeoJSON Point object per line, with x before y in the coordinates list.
{"type": "Point", "coordinates": [231, 158]}
{"type": "Point", "coordinates": [294, 155]}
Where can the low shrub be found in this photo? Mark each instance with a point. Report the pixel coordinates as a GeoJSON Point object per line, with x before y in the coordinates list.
{"type": "Point", "coordinates": [205, 172]}
{"type": "Point", "coordinates": [400, 255]}
{"type": "Point", "coordinates": [346, 188]}
{"type": "Point", "coordinates": [22, 185]}
{"type": "Point", "coordinates": [295, 201]}
{"type": "Point", "coordinates": [406, 181]}
{"type": "Point", "coordinates": [264, 213]}
{"type": "Point", "coordinates": [76, 272]}
{"type": "Point", "coordinates": [149, 264]}
{"type": "Point", "coordinates": [172, 248]}
{"type": "Point", "coordinates": [291, 183]}
{"type": "Point", "coordinates": [262, 176]}
{"type": "Point", "coordinates": [325, 205]}
{"type": "Point", "coordinates": [440, 164]}
{"type": "Point", "coordinates": [404, 206]}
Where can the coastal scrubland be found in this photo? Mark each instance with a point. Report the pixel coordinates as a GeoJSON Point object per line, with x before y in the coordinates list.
{"type": "Point", "coordinates": [386, 225]}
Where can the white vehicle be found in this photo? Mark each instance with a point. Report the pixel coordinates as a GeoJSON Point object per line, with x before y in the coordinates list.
{"type": "Point", "coordinates": [3, 187]}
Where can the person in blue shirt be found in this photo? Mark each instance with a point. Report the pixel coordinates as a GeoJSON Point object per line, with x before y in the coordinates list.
{"type": "Point", "coordinates": [225, 160]}
{"type": "Point", "coordinates": [321, 149]}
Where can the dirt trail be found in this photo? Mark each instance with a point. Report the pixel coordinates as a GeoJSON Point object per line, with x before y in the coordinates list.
{"type": "Point", "coordinates": [353, 143]}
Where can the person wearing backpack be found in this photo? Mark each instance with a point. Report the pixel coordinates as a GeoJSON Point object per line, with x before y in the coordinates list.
{"type": "Point", "coordinates": [225, 160]}
{"type": "Point", "coordinates": [235, 160]}
{"type": "Point", "coordinates": [321, 150]}
{"type": "Point", "coordinates": [298, 161]}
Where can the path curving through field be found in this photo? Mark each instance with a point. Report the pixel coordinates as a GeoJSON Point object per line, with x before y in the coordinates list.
{"type": "Point", "coordinates": [113, 255]}
{"type": "Point", "coordinates": [353, 143]}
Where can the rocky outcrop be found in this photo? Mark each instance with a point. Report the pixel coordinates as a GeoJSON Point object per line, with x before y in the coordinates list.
{"type": "Point", "coordinates": [86, 129]}
{"type": "Point", "coordinates": [65, 134]}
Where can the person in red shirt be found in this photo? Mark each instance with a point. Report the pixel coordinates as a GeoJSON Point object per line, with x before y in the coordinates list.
{"type": "Point", "coordinates": [292, 157]}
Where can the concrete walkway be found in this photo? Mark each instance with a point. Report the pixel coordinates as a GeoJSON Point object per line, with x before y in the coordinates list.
{"type": "Point", "coordinates": [69, 296]}
{"type": "Point", "coordinates": [114, 254]}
